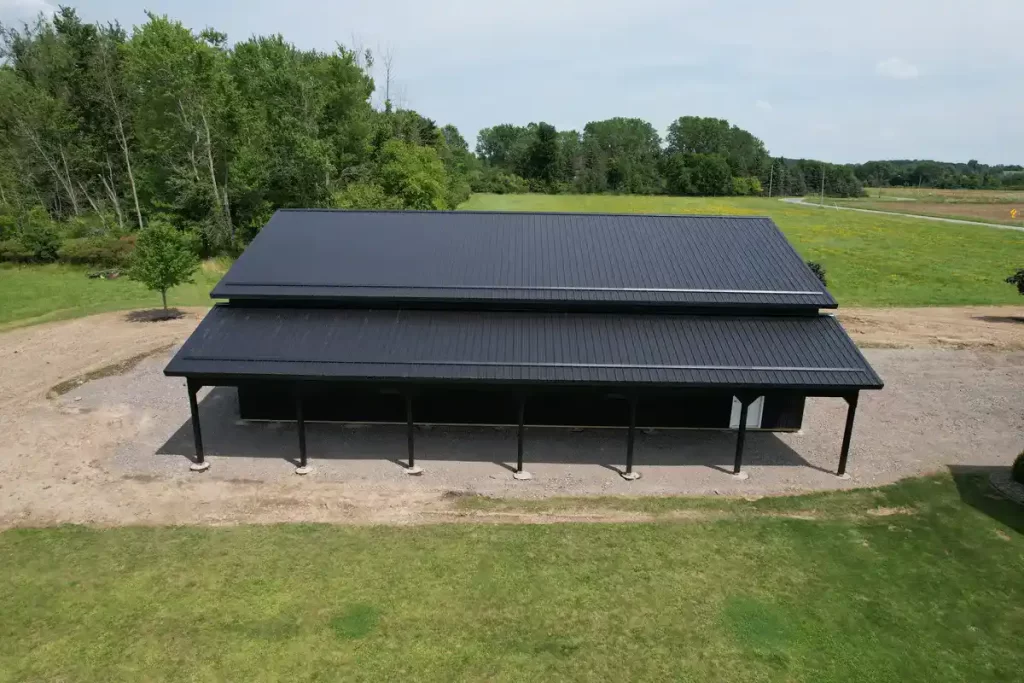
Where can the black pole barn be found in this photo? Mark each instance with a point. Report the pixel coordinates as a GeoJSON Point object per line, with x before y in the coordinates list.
{"type": "Point", "coordinates": [472, 311]}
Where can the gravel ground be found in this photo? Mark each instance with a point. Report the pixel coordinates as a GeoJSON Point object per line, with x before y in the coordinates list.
{"type": "Point", "coordinates": [116, 450]}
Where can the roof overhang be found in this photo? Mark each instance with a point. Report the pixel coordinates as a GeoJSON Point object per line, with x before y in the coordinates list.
{"type": "Point", "coordinates": [799, 353]}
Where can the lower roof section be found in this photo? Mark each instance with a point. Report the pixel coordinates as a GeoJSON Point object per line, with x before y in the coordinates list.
{"type": "Point", "coordinates": [801, 352]}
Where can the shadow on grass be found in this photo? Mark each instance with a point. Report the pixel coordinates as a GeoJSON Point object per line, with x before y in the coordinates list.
{"type": "Point", "coordinates": [972, 483]}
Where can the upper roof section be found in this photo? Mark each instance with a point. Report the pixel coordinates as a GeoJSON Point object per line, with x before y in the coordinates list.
{"type": "Point", "coordinates": [548, 260]}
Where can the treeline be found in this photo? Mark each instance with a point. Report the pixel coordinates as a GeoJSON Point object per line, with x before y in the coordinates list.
{"type": "Point", "coordinates": [938, 174]}
{"type": "Point", "coordinates": [103, 130]}
{"type": "Point", "coordinates": [699, 156]}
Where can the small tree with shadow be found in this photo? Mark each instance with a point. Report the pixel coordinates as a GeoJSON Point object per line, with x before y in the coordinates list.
{"type": "Point", "coordinates": [164, 257]}
{"type": "Point", "coordinates": [1017, 279]}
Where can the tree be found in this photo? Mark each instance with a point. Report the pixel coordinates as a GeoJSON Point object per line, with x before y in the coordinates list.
{"type": "Point", "coordinates": [542, 161]}
{"type": "Point", "coordinates": [710, 174]}
{"type": "Point", "coordinates": [622, 156]}
{"type": "Point", "coordinates": [412, 174]}
{"type": "Point", "coordinates": [163, 258]}
{"type": "Point", "coordinates": [1017, 279]}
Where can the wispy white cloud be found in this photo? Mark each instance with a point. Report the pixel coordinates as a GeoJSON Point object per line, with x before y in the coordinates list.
{"type": "Point", "coordinates": [825, 128]}
{"type": "Point", "coordinates": [763, 105]}
{"type": "Point", "coordinates": [23, 10]}
{"type": "Point", "coordinates": [897, 69]}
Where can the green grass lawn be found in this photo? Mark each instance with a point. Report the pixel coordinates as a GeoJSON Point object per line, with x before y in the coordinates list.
{"type": "Point", "coordinates": [32, 294]}
{"type": "Point", "coordinates": [812, 588]}
{"type": "Point", "coordinates": [871, 260]}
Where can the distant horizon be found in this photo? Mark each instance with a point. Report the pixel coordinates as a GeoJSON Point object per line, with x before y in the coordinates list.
{"type": "Point", "coordinates": [910, 80]}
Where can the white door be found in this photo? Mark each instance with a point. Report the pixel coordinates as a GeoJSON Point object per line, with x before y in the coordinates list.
{"type": "Point", "coordinates": [753, 413]}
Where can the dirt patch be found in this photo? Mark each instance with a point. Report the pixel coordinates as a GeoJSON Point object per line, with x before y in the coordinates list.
{"type": "Point", "coordinates": [968, 327]}
{"type": "Point", "coordinates": [890, 512]}
{"type": "Point", "coordinates": [111, 370]}
{"type": "Point", "coordinates": [34, 359]}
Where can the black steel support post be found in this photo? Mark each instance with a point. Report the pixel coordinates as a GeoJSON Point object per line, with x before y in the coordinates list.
{"type": "Point", "coordinates": [631, 435]}
{"type": "Point", "coordinates": [300, 422]}
{"type": "Point", "coordinates": [522, 423]}
{"type": "Point", "coordinates": [409, 431]}
{"type": "Point", "coordinates": [741, 433]}
{"type": "Point", "coordinates": [851, 411]}
{"type": "Point", "coordinates": [197, 434]}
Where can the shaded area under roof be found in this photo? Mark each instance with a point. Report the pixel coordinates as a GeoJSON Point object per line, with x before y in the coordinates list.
{"type": "Point", "coordinates": [801, 352]}
{"type": "Point", "coordinates": [541, 258]}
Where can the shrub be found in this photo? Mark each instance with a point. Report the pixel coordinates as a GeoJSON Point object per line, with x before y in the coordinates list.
{"type": "Point", "coordinates": [99, 251]}
{"type": "Point", "coordinates": [13, 251]}
{"type": "Point", "coordinates": [41, 240]}
{"type": "Point", "coordinates": [1017, 279]}
{"type": "Point", "coordinates": [1017, 472]}
{"type": "Point", "coordinates": [819, 272]}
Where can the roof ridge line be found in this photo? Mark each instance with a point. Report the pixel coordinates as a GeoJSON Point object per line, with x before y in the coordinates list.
{"type": "Point", "coordinates": [470, 212]}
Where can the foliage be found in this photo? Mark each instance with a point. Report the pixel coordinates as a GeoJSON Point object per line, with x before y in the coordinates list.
{"type": "Point", "coordinates": [1017, 279]}
{"type": "Point", "coordinates": [14, 251]}
{"type": "Point", "coordinates": [164, 257]}
{"type": "Point", "coordinates": [819, 272]}
{"type": "Point", "coordinates": [100, 251]}
{"type": "Point", "coordinates": [872, 260]}
{"type": "Point", "coordinates": [365, 195]}
{"type": "Point", "coordinates": [1017, 471]}
{"type": "Point", "coordinates": [710, 174]}
{"type": "Point", "coordinates": [104, 129]}
{"type": "Point", "coordinates": [412, 175]}
{"type": "Point", "coordinates": [40, 241]}
{"type": "Point", "coordinates": [795, 588]}
{"type": "Point", "coordinates": [493, 181]}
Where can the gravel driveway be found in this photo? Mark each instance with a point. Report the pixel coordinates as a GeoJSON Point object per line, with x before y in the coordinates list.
{"type": "Point", "coordinates": [115, 451]}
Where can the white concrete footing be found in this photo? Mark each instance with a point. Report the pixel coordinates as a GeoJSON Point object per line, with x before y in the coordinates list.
{"type": "Point", "coordinates": [303, 470]}
{"type": "Point", "coordinates": [741, 476]}
{"type": "Point", "coordinates": [415, 470]}
{"type": "Point", "coordinates": [843, 476]}
{"type": "Point", "coordinates": [630, 476]}
{"type": "Point", "coordinates": [522, 475]}
{"type": "Point", "coordinates": [199, 466]}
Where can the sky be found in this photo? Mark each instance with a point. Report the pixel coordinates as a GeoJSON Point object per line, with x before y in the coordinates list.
{"type": "Point", "coordinates": [840, 81]}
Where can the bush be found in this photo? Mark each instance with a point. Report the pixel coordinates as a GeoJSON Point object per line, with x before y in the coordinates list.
{"type": "Point", "coordinates": [1017, 279]}
{"type": "Point", "coordinates": [99, 251]}
{"type": "Point", "coordinates": [497, 182]}
{"type": "Point", "coordinates": [819, 272]}
{"type": "Point", "coordinates": [1017, 472]}
{"type": "Point", "coordinates": [41, 241]}
{"type": "Point", "coordinates": [13, 251]}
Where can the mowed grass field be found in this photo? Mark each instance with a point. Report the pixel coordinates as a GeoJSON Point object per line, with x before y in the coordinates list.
{"type": "Point", "coordinates": [985, 206]}
{"type": "Point", "coordinates": [870, 260]}
{"type": "Point", "coordinates": [920, 581]}
{"type": "Point", "coordinates": [36, 294]}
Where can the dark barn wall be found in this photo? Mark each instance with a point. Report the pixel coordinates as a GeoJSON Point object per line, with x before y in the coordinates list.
{"type": "Point", "coordinates": [324, 401]}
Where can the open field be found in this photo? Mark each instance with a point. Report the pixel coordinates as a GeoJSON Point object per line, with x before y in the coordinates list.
{"type": "Point", "coordinates": [36, 294]}
{"type": "Point", "coordinates": [871, 260]}
{"type": "Point", "coordinates": [921, 581]}
{"type": "Point", "coordinates": [984, 206]}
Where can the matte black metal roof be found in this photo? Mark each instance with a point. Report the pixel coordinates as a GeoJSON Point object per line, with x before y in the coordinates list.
{"type": "Point", "coordinates": [540, 258]}
{"type": "Point", "coordinates": [797, 352]}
